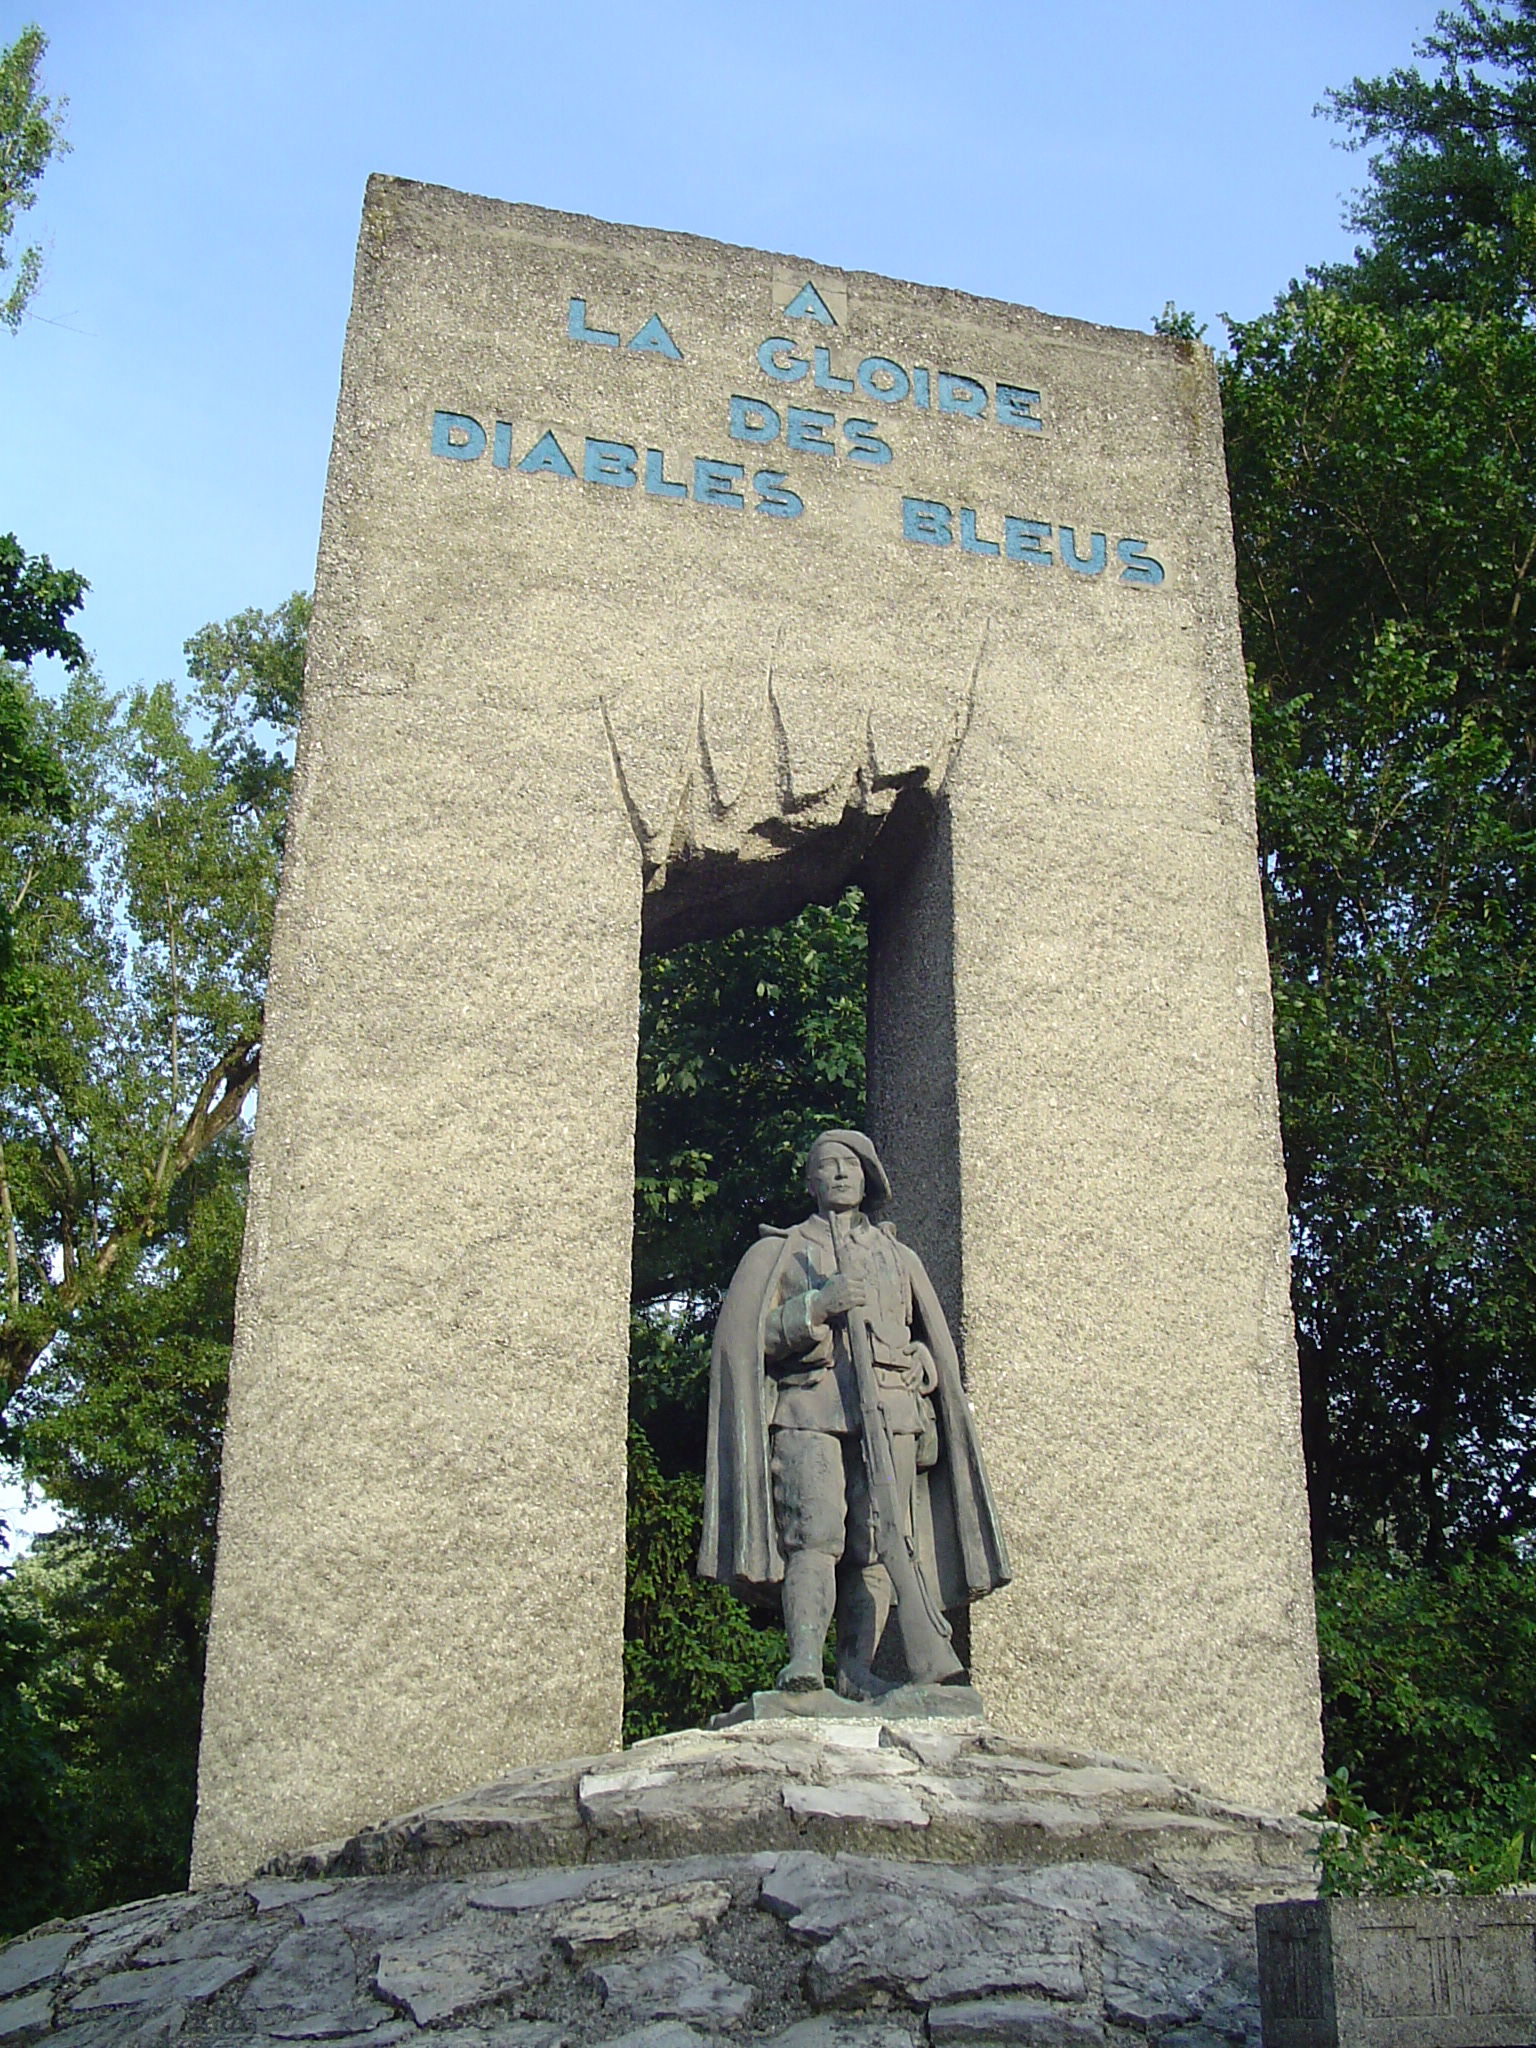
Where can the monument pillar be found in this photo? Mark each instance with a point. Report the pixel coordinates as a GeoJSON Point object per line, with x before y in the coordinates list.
{"type": "Point", "coordinates": [1072, 1085]}
{"type": "Point", "coordinates": [421, 1562]}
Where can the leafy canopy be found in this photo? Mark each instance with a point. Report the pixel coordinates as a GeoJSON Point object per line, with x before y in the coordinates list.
{"type": "Point", "coordinates": [31, 136]}
{"type": "Point", "coordinates": [141, 919]}
{"type": "Point", "coordinates": [1449, 207]}
{"type": "Point", "coordinates": [1381, 426]}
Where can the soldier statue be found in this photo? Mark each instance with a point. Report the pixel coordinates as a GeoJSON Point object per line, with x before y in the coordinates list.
{"type": "Point", "coordinates": [844, 1477]}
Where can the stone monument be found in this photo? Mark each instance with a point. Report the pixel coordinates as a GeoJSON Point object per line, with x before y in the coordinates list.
{"type": "Point", "coordinates": [843, 1469]}
{"type": "Point", "coordinates": [664, 586]}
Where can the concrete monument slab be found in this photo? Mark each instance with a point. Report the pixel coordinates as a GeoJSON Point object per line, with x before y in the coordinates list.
{"type": "Point", "coordinates": [660, 591]}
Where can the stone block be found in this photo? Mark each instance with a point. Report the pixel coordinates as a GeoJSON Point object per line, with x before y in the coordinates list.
{"type": "Point", "coordinates": [1013, 2023]}
{"type": "Point", "coordinates": [437, 1976]}
{"type": "Point", "coordinates": [1398, 1973]}
{"type": "Point", "coordinates": [31, 2014]}
{"type": "Point", "coordinates": [678, 1984]}
{"type": "Point", "coordinates": [25, 1963]}
{"type": "Point", "coordinates": [163, 1984]}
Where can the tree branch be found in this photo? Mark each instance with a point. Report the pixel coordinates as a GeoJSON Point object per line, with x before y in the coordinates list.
{"type": "Point", "coordinates": [27, 1332]}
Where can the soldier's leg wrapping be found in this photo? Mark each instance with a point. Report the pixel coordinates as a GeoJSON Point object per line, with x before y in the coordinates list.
{"type": "Point", "coordinates": [864, 1587]}
{"type": "Point", "coordinates": [810, 1510]}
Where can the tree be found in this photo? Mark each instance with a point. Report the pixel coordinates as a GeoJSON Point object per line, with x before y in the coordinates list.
{"type": "Point", "coordinates": [1382, 470]}
{"type": "Point", "coordinates": [36, 600]}
{"type": "Point", "coordinates": [122, 1425]}
{"type": "Point", "coordinates": [1449, 209]}
{"type": "Point", "coordinates": [143, 912]}
{"type": "Point", "coordinates": [142, 922]}
{"type": "Point", "coordinates": [31, 136]}
{"type": "Point", "coordinates": [1382, 446]}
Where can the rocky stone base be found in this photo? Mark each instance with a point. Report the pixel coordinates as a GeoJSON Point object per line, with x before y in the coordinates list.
{"type": "Point", "coordinates": [623, 1901]}
{"type": "Point", "coordinates": [942, 1789]}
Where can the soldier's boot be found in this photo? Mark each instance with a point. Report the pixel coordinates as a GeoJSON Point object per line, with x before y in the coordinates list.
{"type": "Point", "coordinates": [810, 1594]}
{"type": "Point", "coordinates": [863, 1604]}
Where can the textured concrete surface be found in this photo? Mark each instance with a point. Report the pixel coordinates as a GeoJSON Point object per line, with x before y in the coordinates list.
{"type": "Point", "coordinates": [948, 1886]}
{"type": "Point", "coordinates": [549, 719]}
{"type": "Point", "coordinates": [1398, 1973]}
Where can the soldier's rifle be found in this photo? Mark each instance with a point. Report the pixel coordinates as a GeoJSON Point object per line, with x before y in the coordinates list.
{"type": "Point", "coordinates": [925, 1632]}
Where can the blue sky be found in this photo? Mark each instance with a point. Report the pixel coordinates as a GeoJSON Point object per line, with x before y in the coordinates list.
{"type": "Point", "coordinates": [167, 411]}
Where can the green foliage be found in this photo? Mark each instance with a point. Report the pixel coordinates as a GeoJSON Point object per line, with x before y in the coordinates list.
{"type": "Point", "coordinates": [131, 1028]}
{"type": "Point", "coordinates": [121, 1425]}
{"type": "Point", "coordinates": [748, 1046]}
{"type": "Point", "coordinates": [1359, 1852]}
{"type": "Point", "coordinates": [35, 1812]}
{"type": "Point", "coordinates": [140, 925]}
{"type": "Point", "coordinates": [36, 601]}
{"type": "Point", "coordinates": [1382, 472]}
{"type": "Point", "coordinates": [31, 136]}
{"type": "Point", "coordinates": [1449, 209]}
{"type": "Point", "coordinates": [1430, 1678]}
{"type": "Point", "coordinates": [690, 1649]}
{"type": "Point", "coordinates": [1429, 1718]}
{"type": "Point", "coordinates": [1178, 324]}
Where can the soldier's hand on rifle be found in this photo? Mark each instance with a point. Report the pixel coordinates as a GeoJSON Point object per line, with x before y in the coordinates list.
{"type": "Point", "coordinates": [843, 1292]}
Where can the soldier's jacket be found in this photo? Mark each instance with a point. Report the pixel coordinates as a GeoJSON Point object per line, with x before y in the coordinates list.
{"type": "Point", "coordinates": [810, 1370]}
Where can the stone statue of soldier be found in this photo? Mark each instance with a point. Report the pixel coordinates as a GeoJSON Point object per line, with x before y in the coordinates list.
{"type": "Point", "coordinates": [843, 1475]}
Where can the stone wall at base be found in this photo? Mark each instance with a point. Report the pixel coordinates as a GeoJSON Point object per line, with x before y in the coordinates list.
{"type": "Point", "coordinates": [619, 1900]}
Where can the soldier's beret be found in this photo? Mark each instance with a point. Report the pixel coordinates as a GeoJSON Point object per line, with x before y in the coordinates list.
{"type": "Point", "coordinates": [877, 1186]}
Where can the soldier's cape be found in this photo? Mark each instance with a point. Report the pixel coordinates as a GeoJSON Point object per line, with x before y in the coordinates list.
{"type": "Point", "coordinates": [958, 1532]}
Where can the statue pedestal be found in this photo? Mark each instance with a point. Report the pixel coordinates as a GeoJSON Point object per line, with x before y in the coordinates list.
{"type": "Point", "coordinates": [902, 1703]}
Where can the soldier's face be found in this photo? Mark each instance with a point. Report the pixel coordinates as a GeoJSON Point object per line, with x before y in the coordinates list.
{"type": "Point", "coordinates": [836, 1177]}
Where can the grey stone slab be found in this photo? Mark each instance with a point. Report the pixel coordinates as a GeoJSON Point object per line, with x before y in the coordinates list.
{"type": "Point", "coordinates": [527, 1894]}
{"type": "Point", "coordinates": [353, 2021]}
{"type": "Point", "coordinates": [904, 1948]}
{"type": "Point", "coordinates": [680, 1984]}
{"type": "Point", "coordinates": [456, 1969]}
{"type": "Point", "coordinates": [1013, 2023]}
{"type": "Point", "coordinates": [797, 1876]}
{"type": "Point", "coordinates": [133, 2028]}
{"type": "Point", "coordinates": [907, 1703]}
{"type": "Point", "coordinates": [721, 1809]}
{"type": "Point", "coordinates": [509, 2034]}
{"type": "Point", "coordinates": [270, 1894]}
{"type": "Point", "coordinates": [880, 1805]}
{"type": "Point", "coordinates": [847, 2030]}
{"type": "Point", "coordinates": [659, 2034]}
{"type": "Point", "coordinates": [506, 2034]}
{"type": "Point", "coordinates": [369, 2032]}
{"type": "Point", "coordinates": [312, 1970]}
{"type": "Point", "coordinates": [724, 1793]}
{"type": "Point", "coordinates": [24, 2015]}
{"type": "Point", "coordinates": [164, 1984]}
{"type": "Point", "coordinates": [115, 1937]}
{"type": "Point", "coordinates": [225, 1935]}
{"type": "Point", "coordinates": [394, 1910]}
{"type": "Point", "coordinates": [1074, 1887]}
{"type": "Point", "coordinates": [675, 1913]}
{"type": "Point", "coordinates": [29, 1962]}
{"type": "Point", "coordinates": [1155, 1979]}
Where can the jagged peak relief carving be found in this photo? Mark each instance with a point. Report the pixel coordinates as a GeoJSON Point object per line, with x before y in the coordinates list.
{"type": "Point", "coordinates": [746, 779]}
